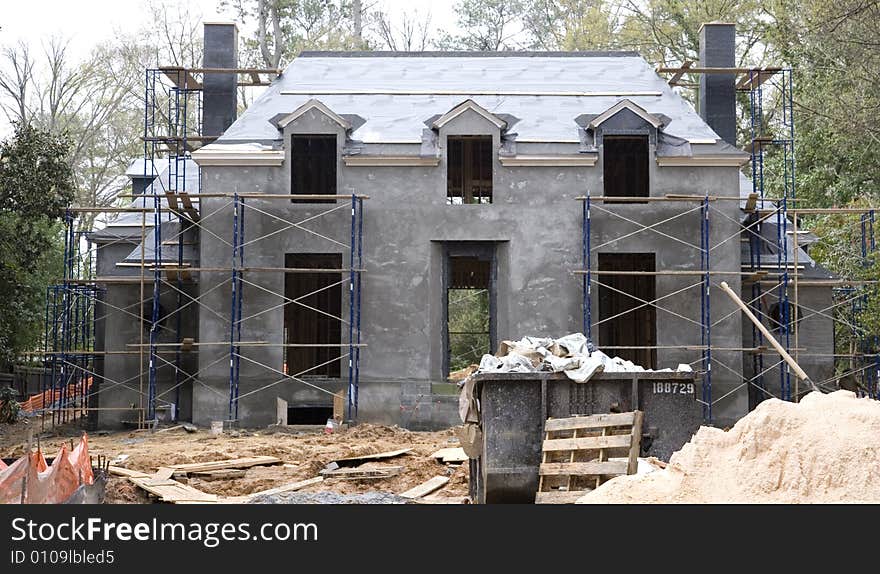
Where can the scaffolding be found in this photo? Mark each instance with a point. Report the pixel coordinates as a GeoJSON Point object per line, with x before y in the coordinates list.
{"type": "Point", "coordinates": [168, 214]}
{"type": "Point", "coordinates": [773, 267]}
{"type": "Point", "coordinates": [172, 130]}
{"type": "Point", "coordinates": [69, 332]}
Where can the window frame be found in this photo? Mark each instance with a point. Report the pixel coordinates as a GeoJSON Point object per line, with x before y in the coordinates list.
{"type": "Point", "coordinates": [463, 144]}
{"type": "Point", "coordinates": [628, 167]}
{"type": "Point", "coordinates": [318, 160]}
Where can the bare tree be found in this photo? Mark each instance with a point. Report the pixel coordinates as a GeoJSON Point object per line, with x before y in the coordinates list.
{"type": "Point", "coordinates": [412, 33]}
{"type": "Point", "coordinates": [16, 77]}
{"type": "Point", "coordinates": [266, 10]}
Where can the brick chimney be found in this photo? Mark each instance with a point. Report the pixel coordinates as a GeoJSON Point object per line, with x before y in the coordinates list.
{"type": "Point", "coordinates": [717, 91]}
{"type": "Point", "coordinates": [219, 93]}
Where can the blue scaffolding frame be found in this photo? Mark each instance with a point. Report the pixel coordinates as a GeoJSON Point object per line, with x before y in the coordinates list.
{"type": "Point", "coordinates": [69, 331]}
{"type": "Point", "coordinates": [355, 271]}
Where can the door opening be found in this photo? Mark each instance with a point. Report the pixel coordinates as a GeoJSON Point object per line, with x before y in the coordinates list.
{"type": "Point", "coordinates": [313, 318]}
{"type": "Point", "coordinates": [469, 305]}
{"type": "Point", "coordinates": [626, 318]}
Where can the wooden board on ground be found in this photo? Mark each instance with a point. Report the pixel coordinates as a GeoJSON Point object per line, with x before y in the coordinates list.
{"type": "Point", "coordinates": [168, 490]}
{"type": "Point", "coordinates": [426, 487]}
{"type": "Point", "coordinates": [452, 454]}
{"type": "Point", "coordinates": [352, 460]}
{"type": "Point", "coordinates": [164, 472]}
{"type": "Point", "coordinates": [582, 452]}
{"type": "Point", "coordinates": [436, 499]}
{"type": "Point", "coordinates": [127, 472]}
{"type": "Point", "coordinates": [246, 462]}
{"type": "Point", "coordinates": [222, 474]}
{"type": "Point", "coordinates": [361, 473]}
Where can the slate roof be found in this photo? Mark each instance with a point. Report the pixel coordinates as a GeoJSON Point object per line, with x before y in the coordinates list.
{"type": "Point", "coordinates": [395, 93]}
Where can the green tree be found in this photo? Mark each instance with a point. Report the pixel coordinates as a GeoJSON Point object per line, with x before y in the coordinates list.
{"type": "Point", "coordinates": [572, 24]}
{"type": "Point", "coordinates": [287, 27]}
{"type": "Point", "coordinates": [487, 25]}
{"type": "Point", "coordinates": [36, 185]}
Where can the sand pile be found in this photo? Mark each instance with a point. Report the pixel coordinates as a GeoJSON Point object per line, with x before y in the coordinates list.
{"type": "Point", "coordinates": [824, 449]}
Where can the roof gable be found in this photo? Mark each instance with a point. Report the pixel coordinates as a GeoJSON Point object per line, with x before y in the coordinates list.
{"type": "Point", "coordinates": [628, 105]}
{"type": "Point", "coordinates": [313, 104]}
{"type": "Point", "coordinates": [464, 107]}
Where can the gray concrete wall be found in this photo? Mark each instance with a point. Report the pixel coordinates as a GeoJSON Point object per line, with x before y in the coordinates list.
{"type": "Point", "coordinates": [811, 347]}
{"type": "Point", "coordinates": [123, 373]}
{"type": "Point", "coordinates": [534, 214]}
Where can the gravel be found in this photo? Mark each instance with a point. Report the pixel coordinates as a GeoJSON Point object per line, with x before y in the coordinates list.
{"type": "Point", "coordinates": [372, 497]}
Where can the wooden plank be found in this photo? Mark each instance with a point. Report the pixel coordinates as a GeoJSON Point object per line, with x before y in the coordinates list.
{"type": "Point", "coordinates": [222, 474]}
{"type": "Point", "coordinates": [286, 488]}
{"type": "Point", "coordinates": [591, 421]}
{"type": "Point", "coordinates": [280, 411]}
{"type": "Point", "coordinates": [752, 202]}
{"type": "Point", "coordinates": [426, 487]}
{"type": "Point", "coordinates": [435, 499]}
{"type": "Point", "coordinates": [583, 468]}
{"type": "Point", "coordinates": [560, 496]}
{"type": "Point", "coordinates": [163, 473]}
{"type": "Point", "coordinates": [128, 473]}
{"type": "Point", "coordinates": [245, 462]}
{"type": "Point", "coordinates": [379, 455]}
{"type": "Point", "coordinates": [586, 443]}
{"type": "Point", "coordinates": [362, 473]}
{"type": "Point", "coordinates": [633, 463]}
{"type": "Point", "coordinates": [172, 491]}
{"type": "Point", "coordinates": [339, 406]}
{"type": "Point", "coordinates": [451, 454]}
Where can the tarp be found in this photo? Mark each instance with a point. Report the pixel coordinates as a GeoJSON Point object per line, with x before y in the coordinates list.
{"type": "Point", "coordinates": [32, 481]}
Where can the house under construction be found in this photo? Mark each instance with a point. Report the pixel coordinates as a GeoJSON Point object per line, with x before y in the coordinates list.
{"type": "Point", "coordinates": [374, 221]}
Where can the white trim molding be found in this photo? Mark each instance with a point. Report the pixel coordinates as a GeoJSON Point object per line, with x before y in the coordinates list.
{"type": "Point", "coordinates": [626, 104]}
{"type": "Point", "coordinates": [314, 104]}
{"type": "Point", "coordinates": [703, 160]}
{"type": "Point", "coordinates": [216, 155]}
{"type": "Point", "coordinates": [465, 106]}
{"type": "Point", "coordinates": [390, 160]}
{"type": "Point", "coordinates": [580, 160]}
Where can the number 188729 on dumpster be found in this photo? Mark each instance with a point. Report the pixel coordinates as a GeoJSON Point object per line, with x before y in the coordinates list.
{"type": "Point", "coordinates": [672, 388]}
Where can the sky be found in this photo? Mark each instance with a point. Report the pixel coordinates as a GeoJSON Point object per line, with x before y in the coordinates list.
{"type": "Point", "coordinates": [89, 22]}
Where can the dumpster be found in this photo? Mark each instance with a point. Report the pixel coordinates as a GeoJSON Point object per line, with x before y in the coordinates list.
{"type": "Point", "coordinates": [514, 406]}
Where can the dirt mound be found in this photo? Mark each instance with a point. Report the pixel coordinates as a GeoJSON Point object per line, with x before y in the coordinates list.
{"type": "Point", "coordinates": [825, 449]}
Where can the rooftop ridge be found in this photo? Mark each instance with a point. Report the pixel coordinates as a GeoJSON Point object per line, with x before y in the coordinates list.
{"type": "Point", "coordinates": [465, 54]}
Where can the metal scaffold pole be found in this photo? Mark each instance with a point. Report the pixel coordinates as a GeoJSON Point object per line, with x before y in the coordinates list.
{"type": "Point", "coordinates": [234, 313]}
{"type": "Point", "coordinates": [706, 317]}
{"type": "Point", "coordinates": [586, 286]}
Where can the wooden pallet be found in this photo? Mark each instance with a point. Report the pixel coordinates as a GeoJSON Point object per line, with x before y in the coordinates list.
{"type": "Point", "coordinates": [578, 453]}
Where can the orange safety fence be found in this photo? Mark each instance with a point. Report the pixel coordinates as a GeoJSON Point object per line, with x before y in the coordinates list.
{"type": "Point", "coordinates": [32, 481]}
{"type": "Point", "coordinates": [39, 401]}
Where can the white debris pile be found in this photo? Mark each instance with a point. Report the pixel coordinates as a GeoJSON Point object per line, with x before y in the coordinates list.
{"type": "Point", "coordinates": [572, 355]}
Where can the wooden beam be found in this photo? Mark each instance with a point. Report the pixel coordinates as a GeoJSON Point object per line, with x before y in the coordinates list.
{"type": "Point", "coordinates": [426, 487]}
{"type": "Point", "coordinates": [245, 462]}
{"type": "Point", "coordinates": [591, 421]}
{"type": "Point", "coordinates": [681, 72]}
{"type": "Point", "coordinates": [590, 442]}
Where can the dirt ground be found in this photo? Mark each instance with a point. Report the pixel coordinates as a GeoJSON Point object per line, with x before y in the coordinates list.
{"type": "Point", "coordinates": [304, 454]}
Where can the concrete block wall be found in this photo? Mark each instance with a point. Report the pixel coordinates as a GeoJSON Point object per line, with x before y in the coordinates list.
{"type": "Point", "coordinates": [536, 222]}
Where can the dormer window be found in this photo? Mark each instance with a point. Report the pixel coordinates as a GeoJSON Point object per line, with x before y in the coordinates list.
{"type": "Point", "coordinates": [313, 167]}
{"type": "Point", "coordinates": [625, 160]}
{"type": "Point", "coordinates": [469, 169]}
